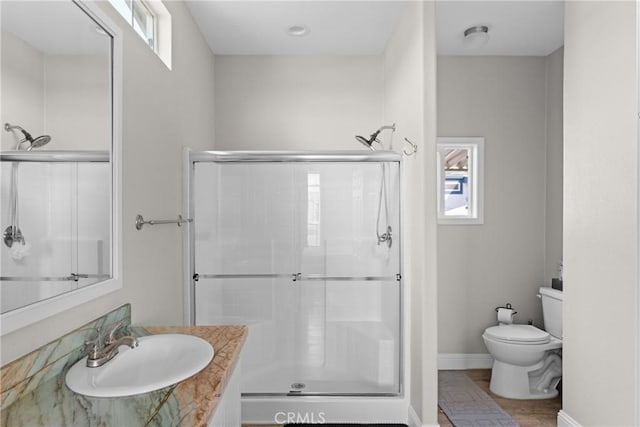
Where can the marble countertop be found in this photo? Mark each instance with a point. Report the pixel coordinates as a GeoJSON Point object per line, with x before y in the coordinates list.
{"type": "Point", "coordinates": [189, 403]}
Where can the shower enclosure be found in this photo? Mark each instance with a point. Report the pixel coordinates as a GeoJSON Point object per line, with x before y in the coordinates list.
{"type": "Point", "coordinates": [304, 248]}
{"type": "Point", "coordinates": [56, 224]}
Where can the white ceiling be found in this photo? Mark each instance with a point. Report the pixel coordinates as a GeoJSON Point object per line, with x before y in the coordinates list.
{"type": "Point", "coordinates": [351, 27]}
{"type": "Point", "coordinates": [521, 28]}
{"type": "Point", "coordinates": [259, 27]}
{"type": "Point", "coordinates": [53, 27]}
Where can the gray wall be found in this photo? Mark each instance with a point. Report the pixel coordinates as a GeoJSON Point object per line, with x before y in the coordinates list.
{"type": "Point", "coordinates": [484, 266]}
{"type": "Point", "coordinates": [297, 102]}
{"type": "Point", "coordinates": [163, 111]}
{"type": "Point", "coordinates": [601, 331]}
{"type": "Point", "coordinates": [554, 160]}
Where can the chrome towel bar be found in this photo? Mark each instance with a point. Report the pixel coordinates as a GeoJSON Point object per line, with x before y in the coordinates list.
{"type": "Point", "coordinates": [140, 221]}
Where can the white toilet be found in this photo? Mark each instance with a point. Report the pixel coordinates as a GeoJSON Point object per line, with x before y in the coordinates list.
{"type": "Point", "coordinates": [527, 361]}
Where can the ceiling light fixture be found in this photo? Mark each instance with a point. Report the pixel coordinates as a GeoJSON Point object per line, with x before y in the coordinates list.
{"type": "Point", "coordinates": [477, 36]}
{"type": "Point", "coordinates": [298, 30]}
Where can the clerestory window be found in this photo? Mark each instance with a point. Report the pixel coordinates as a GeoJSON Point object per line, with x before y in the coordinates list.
{"type": "Point", "coordinates": [151, 20]}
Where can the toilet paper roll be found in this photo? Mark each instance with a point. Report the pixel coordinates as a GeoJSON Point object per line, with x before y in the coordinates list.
{"type": "Point", "coordinates": [505, 315]}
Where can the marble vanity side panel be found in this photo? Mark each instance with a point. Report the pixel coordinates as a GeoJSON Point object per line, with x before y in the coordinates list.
{"type": "Point", "coordinates": [54, 405]}
{"type": "Point", "coordinates": [26, 373]}
{"type": "Point", "coordinates": [198, 396]}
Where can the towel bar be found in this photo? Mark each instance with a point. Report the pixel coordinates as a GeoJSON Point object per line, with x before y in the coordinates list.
{"type": "Point", "coordinates": [140, 221]}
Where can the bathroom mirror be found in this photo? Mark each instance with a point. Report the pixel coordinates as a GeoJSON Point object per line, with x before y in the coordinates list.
{"type": "Point", "coordinates": [60, 105]}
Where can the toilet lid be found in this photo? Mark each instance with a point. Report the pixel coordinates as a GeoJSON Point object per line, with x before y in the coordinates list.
{"type": "Point", "coordinates": [518, 333]}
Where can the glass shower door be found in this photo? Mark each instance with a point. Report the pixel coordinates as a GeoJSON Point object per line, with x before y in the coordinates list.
{"type": "Point", "coordinates": [291, 250]}
{"type": "Point", "coordinates": [64, 250]}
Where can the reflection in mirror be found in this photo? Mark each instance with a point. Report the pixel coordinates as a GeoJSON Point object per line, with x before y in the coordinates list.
{"type": "Point", "coordinates": [56, 138]}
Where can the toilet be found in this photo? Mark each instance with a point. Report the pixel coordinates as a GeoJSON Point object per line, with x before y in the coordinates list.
{"type": "Point", "coordinates": [527, 360]}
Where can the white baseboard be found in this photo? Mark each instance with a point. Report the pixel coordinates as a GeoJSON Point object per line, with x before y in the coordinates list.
{"type": "Point", "coordinates": [414, 419]}
{"type": "Point", "coordinates": [564, 420]}
{"type": "Point", "coordinates": [458, 361]}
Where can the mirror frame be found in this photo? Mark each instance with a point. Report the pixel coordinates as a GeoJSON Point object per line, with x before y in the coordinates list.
{"type": "Point", "coordinates": [41, 310]}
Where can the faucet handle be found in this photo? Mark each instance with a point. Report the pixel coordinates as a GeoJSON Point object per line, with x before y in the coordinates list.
{"type": "Point", "coordinates": [111, 334]}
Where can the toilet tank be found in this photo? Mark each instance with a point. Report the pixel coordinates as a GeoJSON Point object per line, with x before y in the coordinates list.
{"type": "Point", "coordinates": [552, 310]}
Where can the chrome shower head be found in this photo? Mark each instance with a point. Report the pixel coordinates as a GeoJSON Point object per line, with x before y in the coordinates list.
{"type": "Point", "coordinates": [39, 142]}
{"type": "Point", "coordinates": [374, 137]}
{"type": "Point", "coordinates": [33, 143]}
{"type": "Point", "coordinates": [366, 142]}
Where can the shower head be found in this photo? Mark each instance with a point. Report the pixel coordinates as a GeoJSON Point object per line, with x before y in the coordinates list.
{"type": "Point", "coordinates": [39, 142]}
{"type": "Point", "coordinates": [366, 142]}
{"type": "Point", "coordinates": [374, 137]}
{"type": "Point", "coordinates": [33, 143]}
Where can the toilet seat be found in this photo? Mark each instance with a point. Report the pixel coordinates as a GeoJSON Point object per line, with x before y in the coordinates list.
{"type": "Point", "coordinates": [518, 334]}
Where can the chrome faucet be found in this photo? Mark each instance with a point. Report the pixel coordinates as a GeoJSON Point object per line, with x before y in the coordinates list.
{"type": "Point", "coordinates": [98, 353]}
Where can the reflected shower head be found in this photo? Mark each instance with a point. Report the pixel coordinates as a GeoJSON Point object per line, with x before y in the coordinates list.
{"type": "Point", "coordinates": [33, 143]}
{"type": "Point", "coordinates": [39, 142]}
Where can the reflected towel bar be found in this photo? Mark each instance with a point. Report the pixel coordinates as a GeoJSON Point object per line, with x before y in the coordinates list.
{"type": "Point", "coordinates": [140, 221]}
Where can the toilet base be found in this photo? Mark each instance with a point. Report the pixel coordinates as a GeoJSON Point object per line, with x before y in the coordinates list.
{"type": "Point", "coordinates": [514, 382]}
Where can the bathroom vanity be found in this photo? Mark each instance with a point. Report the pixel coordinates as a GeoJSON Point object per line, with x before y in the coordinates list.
{"type": "Point", "coordinates": [34, 391]}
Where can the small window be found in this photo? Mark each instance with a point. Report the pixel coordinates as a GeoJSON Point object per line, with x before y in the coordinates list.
{"type": "Point", "coordinates": [144, 22]}
{"type": "Point", "coordinates": [152, 21]}
{"type": "Point", "coordinates": [460, 176]}
{"type": "Point", "coordinates": [139, 16]}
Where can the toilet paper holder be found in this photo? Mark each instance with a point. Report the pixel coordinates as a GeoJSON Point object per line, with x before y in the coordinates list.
{"type": "Point", "coordinates": [507, 306]}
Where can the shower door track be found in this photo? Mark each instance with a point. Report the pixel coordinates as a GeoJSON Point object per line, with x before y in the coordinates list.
{"type": "Point", "coordinates": [311, 395]}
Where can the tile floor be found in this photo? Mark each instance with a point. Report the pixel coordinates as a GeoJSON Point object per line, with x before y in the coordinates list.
{"type": "Point", "coordinates": [527, 413]}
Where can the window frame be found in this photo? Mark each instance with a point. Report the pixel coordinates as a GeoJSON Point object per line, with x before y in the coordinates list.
{"type": "Point", "coordinates": [152, 43]}
{"type": "Point", "coordinates": [162, 25]}
{"type": "Point", "coordinates": [475, 145]}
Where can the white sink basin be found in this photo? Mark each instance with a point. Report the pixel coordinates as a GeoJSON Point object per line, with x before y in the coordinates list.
{"type": "Point", "coordinates": [158, 361]}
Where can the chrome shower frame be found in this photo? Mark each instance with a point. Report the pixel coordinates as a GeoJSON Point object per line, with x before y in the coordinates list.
{"type": "Point", "coordinates": [190, 158]}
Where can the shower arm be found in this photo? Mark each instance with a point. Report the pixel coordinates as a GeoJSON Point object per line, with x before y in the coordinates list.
{"type": "Point", "coordinates": [392, 127]}
{"type": "Point", "coordinates": [374, 136]}
{"type": "Point", "coordinates": [27, 137]}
